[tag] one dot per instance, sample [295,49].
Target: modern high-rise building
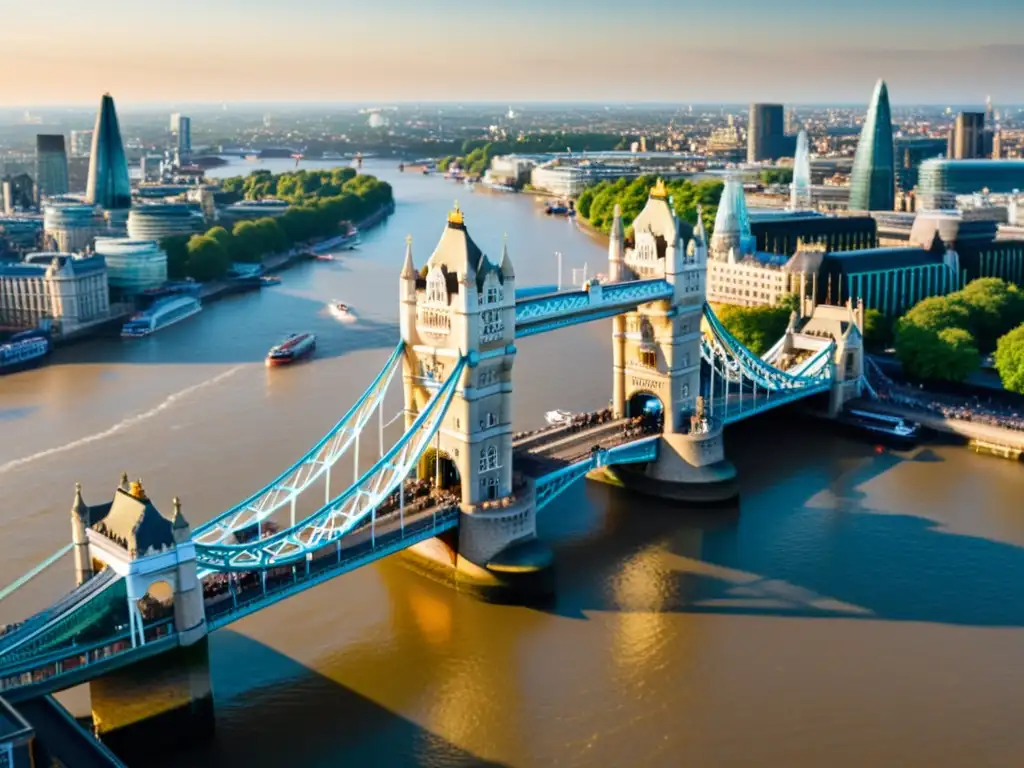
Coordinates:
[51,166]
[109,185]
[184,136]
[175,120]
[800,188]
[81,143]
[911,151]
[873,180]
[942,181]
[969,136]
[766,132]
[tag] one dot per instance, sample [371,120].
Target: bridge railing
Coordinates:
[249,595]
[32,671]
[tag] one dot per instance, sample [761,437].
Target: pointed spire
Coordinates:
[124,482]
[178,522]
[138,491]
[506,262]
[699,233]
[408,268]
[79,508]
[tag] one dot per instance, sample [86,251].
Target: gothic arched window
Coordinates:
[437,289]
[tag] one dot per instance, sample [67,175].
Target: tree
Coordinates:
[176,248]
[249,245]
[777,176]
[945,354]
[994,306]
[1010,360]
[207,259]
[757,328]
[939,312]
[222,236]
[877,330]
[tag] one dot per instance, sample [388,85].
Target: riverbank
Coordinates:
[963,431]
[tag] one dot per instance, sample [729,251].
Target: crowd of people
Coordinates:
[972,409]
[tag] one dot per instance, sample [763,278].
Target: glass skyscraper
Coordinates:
[108,185]
[800,189]
[51,166]
[873,181]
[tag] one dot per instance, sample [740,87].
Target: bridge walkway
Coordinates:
[546,451]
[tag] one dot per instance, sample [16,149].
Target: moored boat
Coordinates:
[24,350]
[297,346]
[162,313]
[892,431]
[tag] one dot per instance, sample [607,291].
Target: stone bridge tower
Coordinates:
[462,304]
[657,353]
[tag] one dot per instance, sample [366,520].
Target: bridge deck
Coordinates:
[547,451]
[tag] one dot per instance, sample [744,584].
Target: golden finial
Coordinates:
[137,490]
[455,217]
[658,190]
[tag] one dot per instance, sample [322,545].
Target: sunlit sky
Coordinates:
[798,51]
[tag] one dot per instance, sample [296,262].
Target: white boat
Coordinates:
[341,311]
[558,417]
[162,313]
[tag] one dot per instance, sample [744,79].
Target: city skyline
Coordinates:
[446,52]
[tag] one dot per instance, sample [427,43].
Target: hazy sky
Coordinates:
[935,51]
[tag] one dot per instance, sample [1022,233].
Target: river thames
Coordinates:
[861,608]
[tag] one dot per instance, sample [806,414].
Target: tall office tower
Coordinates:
[81,143]
[765,132]
[184,134]
[873,180]
[997,144]
[968,136]
[108,186]
[800,189]
[51,166]
[175,121]
[989,113]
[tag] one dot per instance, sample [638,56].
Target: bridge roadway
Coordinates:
[540,453]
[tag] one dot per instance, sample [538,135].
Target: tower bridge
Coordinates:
[457,489]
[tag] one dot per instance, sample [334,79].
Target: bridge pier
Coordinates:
[156,704]
[690,468]
[494,554]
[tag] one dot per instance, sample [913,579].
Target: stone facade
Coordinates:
[69,290]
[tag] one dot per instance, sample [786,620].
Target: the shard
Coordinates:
[108,186]
[800,188]
[873,181]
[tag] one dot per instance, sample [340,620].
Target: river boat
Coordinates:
[344,242]
[329,155]
[24,350]
[341,310]
[297,346]
[560,209]
[892,431]
[558,417]
[268,280]
[161,314]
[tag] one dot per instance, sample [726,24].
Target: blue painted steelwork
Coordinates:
[368,552]
[333,521]
[70,666]
[97,598]
[572,307]
[549,487]
[531,291]
[307,470]
[23,580]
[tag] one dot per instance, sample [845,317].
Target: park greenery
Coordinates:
[757,328]
[1010,360]
[321,202]
[476,154]
[777,176]
[597,203]
[944,337]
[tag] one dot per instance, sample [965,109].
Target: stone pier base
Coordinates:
[494,555]
[690,468]
[157,704]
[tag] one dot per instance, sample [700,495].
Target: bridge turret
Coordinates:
[79,524]
[407,293]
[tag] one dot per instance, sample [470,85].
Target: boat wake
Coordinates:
[122,425]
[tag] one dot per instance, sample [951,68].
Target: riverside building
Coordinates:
[69,290]
[133,266]
[71,227]
[159,220]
